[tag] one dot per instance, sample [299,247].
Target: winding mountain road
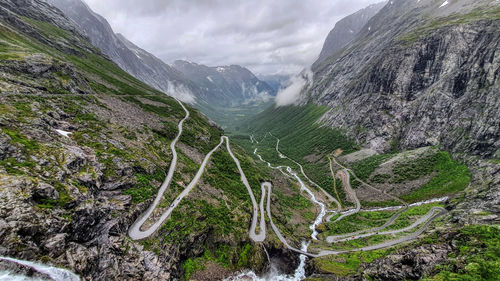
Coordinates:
[135,231]
[344,177]
[375,229]
[328,195]
[262,233]
[426,220]
[349,237]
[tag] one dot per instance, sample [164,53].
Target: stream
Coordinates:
[273,273]
[56,274]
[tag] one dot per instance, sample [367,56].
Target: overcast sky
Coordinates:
[267,36]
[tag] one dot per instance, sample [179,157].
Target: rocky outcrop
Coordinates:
[411,264]
[418,74]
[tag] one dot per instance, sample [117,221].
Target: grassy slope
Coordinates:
[300,136]
[447,175]
[142,147]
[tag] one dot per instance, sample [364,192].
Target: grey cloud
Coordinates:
[279,36]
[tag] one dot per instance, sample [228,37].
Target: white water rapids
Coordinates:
[56,274]
[273,274]
[322,213]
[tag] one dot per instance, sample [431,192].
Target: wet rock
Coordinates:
[16,269]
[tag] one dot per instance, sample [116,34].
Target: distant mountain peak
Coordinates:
[346,30]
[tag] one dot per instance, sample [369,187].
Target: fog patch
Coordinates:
[180,92]
[291,93]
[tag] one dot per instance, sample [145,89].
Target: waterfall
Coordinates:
[267,254]
[8,276]
[319,218]
[300,272]
[56,274]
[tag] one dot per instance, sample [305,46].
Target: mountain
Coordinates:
[277,82]
[413,78]
[129,57]
[230,93]
[409,105]
[111,179]
[236,94]
[346,30]
[228,85]
[84,148]
[233,85]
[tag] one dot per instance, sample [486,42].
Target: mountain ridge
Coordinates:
[367,176]
[188,86]
[396,30]
[345,31]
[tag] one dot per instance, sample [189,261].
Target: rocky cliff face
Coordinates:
[419,73]
[345,31]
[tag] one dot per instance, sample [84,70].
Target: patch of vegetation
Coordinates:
[380,178]
[364,168]
[451,177]
[223,174]
[483,13]
[193,216]
[190,266]
[346,264]
[14,167]
[296,201]
[226,256]
[64,197]
[477,256]
[416,168]
[17,137]
[48,29]
[299,131]
[144,190]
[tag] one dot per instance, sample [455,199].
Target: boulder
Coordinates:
[45,191]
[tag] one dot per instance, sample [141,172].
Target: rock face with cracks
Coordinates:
[418,74]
